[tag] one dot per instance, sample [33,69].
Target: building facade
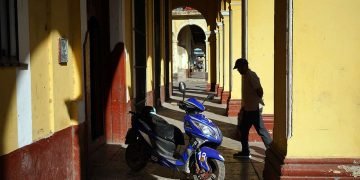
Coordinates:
[70,70]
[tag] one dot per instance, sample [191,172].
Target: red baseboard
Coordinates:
[220,91]
[216,89]
[208,87]
[279,167]
[233,108]
[162,94]
[57,156]
[225,97]
[269,125]
[150,98]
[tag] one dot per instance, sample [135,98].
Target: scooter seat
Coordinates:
[162,128]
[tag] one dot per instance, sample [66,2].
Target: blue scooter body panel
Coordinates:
[204,154]
[196,103]
[191,128]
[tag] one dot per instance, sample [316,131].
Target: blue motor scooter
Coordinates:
[152,138]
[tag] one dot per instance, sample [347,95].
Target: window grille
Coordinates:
[8,33]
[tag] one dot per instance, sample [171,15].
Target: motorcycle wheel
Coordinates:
[137,155]
[217,170]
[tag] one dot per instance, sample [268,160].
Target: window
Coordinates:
[8,33]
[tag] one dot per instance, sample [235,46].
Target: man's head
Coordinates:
[241,65]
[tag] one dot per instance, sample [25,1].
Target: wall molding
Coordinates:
[278,166]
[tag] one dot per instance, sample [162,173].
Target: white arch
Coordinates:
[180,57]
[197,22]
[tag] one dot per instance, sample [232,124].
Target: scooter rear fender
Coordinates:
[131,136]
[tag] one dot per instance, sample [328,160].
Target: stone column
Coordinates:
[207,61]
[221,59]
[234,105]
[226,27]
[316,98]
[217,61]
[175,59]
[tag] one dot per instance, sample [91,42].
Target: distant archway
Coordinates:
[189,42]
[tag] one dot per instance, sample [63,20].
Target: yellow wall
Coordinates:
[162,45]
[65,22]
[326,74]
[128,47]
[221,57]
[236,48]
[261,47]
[227,52]
[42,99]
[8,110]
[217,57]
[56,89]
[150,46]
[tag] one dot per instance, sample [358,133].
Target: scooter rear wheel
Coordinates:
[137,155]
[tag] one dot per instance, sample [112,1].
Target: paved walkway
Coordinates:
[109,162]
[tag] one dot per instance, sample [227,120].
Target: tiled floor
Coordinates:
[108,162]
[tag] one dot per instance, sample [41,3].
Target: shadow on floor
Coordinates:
[109,163]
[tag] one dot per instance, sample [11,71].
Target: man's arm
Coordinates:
[260,92]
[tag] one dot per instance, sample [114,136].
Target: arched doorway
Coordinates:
[189,44]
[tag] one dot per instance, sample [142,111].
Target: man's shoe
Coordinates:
[242,155]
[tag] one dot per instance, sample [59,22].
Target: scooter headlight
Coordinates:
[208,131]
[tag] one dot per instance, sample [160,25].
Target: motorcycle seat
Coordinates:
[162,128]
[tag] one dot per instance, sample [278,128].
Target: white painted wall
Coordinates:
[23,78]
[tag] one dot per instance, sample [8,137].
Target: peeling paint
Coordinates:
[26,162]
[354,170]
[334,171]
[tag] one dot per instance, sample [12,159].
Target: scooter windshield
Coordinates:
[196,103]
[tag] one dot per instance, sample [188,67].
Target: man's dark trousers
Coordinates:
[253,118]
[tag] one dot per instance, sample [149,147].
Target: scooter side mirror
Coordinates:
[182,89]
[210,96]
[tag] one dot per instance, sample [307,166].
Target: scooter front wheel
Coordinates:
[217,171]
[137,155]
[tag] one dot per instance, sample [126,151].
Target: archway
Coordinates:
[189,44]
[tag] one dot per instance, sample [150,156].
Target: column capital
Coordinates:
[208,33]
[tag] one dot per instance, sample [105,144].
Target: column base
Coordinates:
[162,94]
[216,89]
[279,167]
[225,97]
[233,107]
[220,91]
[150,98]
[208,87]
[171,89]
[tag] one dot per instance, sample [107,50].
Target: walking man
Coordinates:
[252,104]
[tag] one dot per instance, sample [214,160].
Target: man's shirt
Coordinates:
[250,99]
